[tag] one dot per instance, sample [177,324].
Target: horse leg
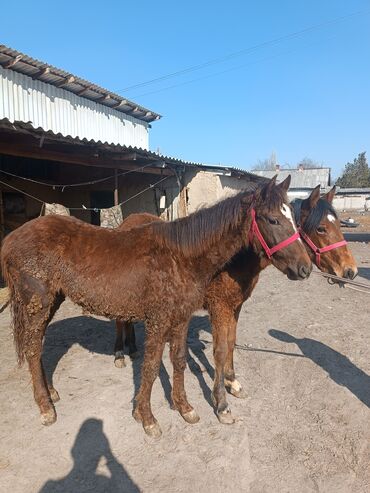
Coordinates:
[178,354]
[54,395]
[130,340]
[119,355]
[220,319]
[232,384]
[150,370]
[44,392]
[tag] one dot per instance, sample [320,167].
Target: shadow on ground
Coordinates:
[90,451]
[98,336]
[339,368]
[364,272]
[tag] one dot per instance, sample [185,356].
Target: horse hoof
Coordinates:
[54,395]
[225,417]
[119,362]
[134,355]
[234,388]
[49,417]
[191,417]
[240,394]
[154,430]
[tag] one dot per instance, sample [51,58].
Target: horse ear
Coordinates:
[266,190]
[330,195]
[314,197]
[284,185]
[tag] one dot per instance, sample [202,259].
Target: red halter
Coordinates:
[318,251]
[269,251]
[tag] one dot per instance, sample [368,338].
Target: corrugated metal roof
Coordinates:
[19,62]
[306,178]
[53,108]
[27,128]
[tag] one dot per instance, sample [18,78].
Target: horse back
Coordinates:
[134,220]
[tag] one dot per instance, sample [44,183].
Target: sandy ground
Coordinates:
[362,218]
[302,356]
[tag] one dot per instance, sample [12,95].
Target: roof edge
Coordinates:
[19,62]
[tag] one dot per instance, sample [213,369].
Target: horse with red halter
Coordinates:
[158,273]
[230,288]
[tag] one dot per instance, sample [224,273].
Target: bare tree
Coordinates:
[266,164]
[308,163]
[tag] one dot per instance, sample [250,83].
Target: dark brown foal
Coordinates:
[230,288]
[125,336]
[158,273]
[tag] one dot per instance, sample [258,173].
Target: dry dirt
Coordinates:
[303,356]
[362,218]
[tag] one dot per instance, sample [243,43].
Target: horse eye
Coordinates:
[321,230]
[272,220]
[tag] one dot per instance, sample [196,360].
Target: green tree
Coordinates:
[356,174]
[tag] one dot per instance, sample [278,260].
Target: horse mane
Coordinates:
[316,214]
[202,229]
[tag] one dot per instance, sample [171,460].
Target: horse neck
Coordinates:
[221,252]
[209,237]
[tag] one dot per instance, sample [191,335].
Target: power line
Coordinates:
[245,50]
[121,203]
[91,182]
[83,208]
[208,76]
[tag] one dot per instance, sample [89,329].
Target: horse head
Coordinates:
[274,234]
[320,229]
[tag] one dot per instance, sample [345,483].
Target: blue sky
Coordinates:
[304,96]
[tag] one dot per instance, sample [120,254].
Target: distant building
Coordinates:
[347,199]
[303,180]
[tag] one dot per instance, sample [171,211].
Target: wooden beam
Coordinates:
[102,99]
[82,91]
[116,193]
[123,157]
[13,61]
[20,149]
[124,102]
[64,82]
[41,72]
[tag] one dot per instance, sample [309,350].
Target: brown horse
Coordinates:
[231,287]
[157,273]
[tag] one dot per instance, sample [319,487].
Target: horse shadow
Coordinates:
[339,368]
[197,360]
[98,336]
[364,272]
[89,449]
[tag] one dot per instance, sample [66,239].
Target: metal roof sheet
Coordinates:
[19,62]
[306,178]
[23,127]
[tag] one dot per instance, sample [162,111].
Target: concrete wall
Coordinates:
[204,188]
[351,202]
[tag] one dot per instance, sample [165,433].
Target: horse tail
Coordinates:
[17,309]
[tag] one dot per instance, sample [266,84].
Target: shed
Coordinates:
[66,140]
[303,180]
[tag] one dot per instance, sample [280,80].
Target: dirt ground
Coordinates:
[303,357]
[362,218]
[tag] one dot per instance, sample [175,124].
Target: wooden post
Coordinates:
[116,195]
